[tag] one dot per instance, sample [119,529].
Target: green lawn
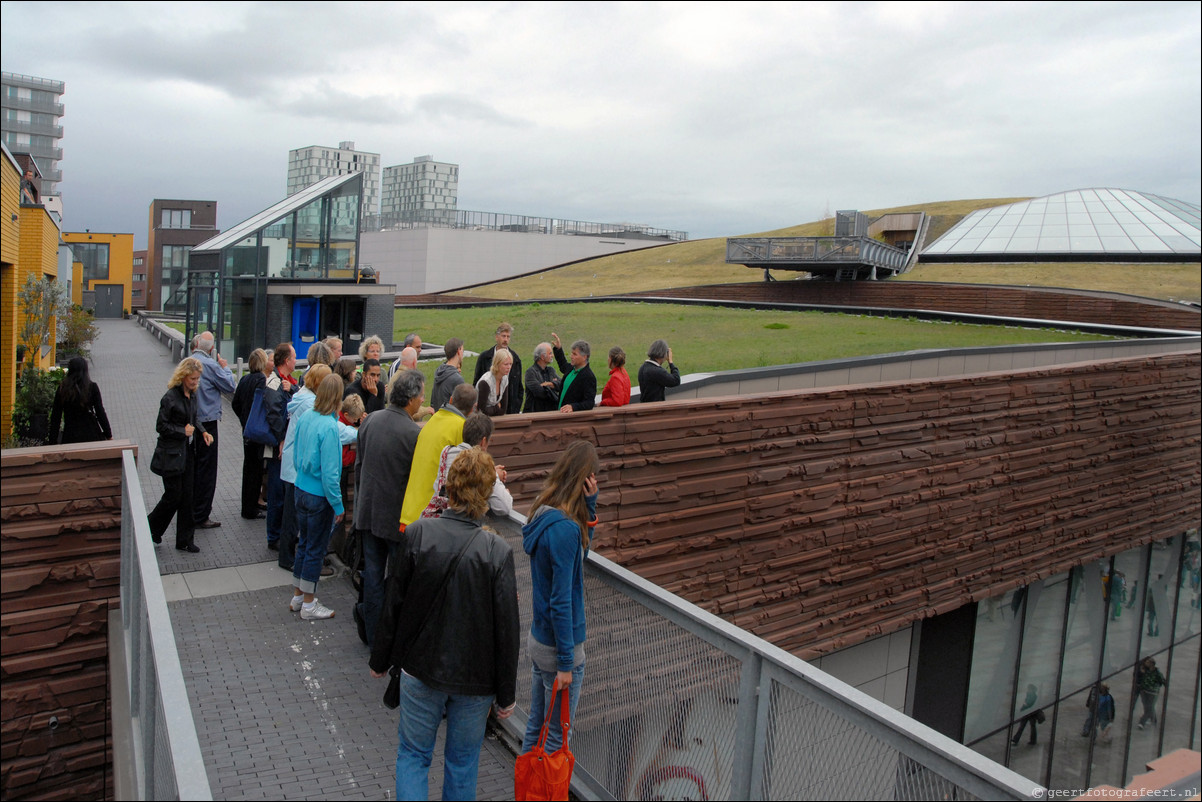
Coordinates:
[703,338]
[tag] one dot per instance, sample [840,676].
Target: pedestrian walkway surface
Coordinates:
[284,708]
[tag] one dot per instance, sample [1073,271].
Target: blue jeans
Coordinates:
[540,693]
[315,521]
[376,553]
[421,712]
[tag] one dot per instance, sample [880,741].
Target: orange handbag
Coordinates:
[539,776]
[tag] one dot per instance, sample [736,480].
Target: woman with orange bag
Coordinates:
[557,537]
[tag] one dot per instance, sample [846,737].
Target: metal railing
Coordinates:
[162,734]
[678,703]
[494,221]
[781,251]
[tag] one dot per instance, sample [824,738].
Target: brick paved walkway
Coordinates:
[284,708]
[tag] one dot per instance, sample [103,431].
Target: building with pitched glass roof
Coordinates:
[290,273]
[1090,225]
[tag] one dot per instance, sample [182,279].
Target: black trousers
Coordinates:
[252,478]
[176,503]
[206,474]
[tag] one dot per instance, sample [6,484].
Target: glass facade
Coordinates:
[1041,653]
[311,236]
[1087,221]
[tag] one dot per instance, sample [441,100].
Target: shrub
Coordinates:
[36,389]
[78,330]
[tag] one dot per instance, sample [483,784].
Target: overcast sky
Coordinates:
[715,118]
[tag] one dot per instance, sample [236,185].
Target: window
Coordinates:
[175,256]
[139,277]
[177,218]
[95,259]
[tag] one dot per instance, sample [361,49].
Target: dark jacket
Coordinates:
[516,395]
[470,643]
[539,398]
[371,403]
[583,392]
[382,463]
[484,393]
[446,378]
[85,424]
[653,379]
[244,395]
[176,411]
[279,392]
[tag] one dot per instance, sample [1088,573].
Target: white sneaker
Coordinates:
[297,602]
[316,611]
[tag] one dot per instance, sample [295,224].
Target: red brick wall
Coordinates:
[822,518]
[60,565]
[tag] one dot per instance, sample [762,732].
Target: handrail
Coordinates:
[167,757]
[851,745]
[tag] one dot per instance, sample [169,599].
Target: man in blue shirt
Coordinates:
[215,379]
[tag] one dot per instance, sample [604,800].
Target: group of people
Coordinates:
[439,601]
[504,389]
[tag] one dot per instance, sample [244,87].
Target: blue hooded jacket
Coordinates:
[557,574]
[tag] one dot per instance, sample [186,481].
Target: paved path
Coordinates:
[284,708]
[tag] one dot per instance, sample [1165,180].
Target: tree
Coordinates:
[41,301]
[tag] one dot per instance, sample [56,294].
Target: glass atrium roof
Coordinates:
[1105,222]
[268,216]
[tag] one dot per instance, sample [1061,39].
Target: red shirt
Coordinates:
[617,389]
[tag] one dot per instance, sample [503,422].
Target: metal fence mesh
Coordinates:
[814,753]
[659,714]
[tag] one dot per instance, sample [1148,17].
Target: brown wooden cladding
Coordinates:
[818,519]
[977,299]
[60,566]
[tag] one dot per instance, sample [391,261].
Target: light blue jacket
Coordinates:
[318,457]
[301,403]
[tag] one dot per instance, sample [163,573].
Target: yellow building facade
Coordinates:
[102,271]
[29,240]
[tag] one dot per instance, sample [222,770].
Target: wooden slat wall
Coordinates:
[60,565]
[822,518]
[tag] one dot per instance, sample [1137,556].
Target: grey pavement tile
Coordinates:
[284,708]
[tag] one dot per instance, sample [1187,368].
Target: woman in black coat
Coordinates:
[175,455]
[77,406]
[252,453]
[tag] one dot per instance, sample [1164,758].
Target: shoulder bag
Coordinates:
[256,429]
[539,776]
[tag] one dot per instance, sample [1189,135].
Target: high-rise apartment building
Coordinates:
[32,109]
[421,186]
[307,166]
[175,226]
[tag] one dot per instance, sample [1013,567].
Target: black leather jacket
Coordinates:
[469,644]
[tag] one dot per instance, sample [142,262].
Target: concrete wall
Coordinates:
[819,519]
[60,561]
[435,259]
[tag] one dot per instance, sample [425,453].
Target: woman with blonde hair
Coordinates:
[175,455]
[557,537]
[317,457]
[371,348]
[450,626]
[493,387]
[253,383]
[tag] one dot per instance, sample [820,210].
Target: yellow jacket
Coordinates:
[444,429]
